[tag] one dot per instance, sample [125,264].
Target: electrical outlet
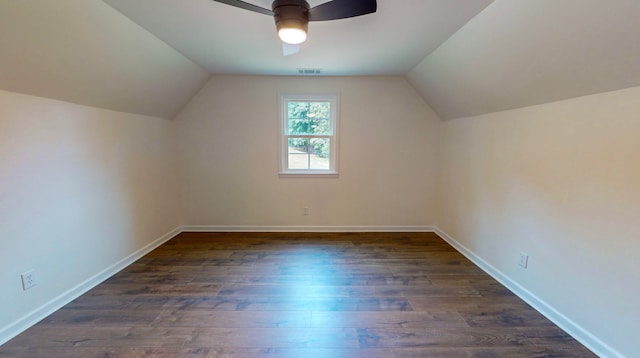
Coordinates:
[305,211]
[524,260]
[28,279]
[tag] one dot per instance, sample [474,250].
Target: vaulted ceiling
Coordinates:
[527,52]
[465,57]
[85,52]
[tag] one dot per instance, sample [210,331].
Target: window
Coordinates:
[308,136]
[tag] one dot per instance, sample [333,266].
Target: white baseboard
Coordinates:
[248,228]
[576,331]
[20,325]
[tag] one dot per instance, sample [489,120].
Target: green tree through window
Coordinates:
[309,118]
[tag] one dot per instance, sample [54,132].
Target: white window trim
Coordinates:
[283,136]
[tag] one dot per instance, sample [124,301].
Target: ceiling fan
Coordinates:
[292,16]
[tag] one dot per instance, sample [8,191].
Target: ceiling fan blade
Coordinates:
[246,6]
[289,49]
[342,9]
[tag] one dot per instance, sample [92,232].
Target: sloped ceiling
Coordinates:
[465,57]
[528,52]
[83,51]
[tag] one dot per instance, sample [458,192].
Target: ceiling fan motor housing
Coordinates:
[291,14]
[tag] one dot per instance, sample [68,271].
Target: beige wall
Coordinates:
[561,182]
[228,137]
[80,189]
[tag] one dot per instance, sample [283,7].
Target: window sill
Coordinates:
[308,175]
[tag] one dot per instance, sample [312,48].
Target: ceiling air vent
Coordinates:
[309,71]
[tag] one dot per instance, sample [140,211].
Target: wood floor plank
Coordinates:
[233,319]
[115,302]
[160,289]
[389,319]
[260,303]
[467,303]
[275,295]
[481,352]
[550,336]
[103,316]
[275,338]
[103,336]
[299,353]
[440,337]
[303,290]
[119,352]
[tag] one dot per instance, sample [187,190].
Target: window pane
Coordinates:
[297,109]
[298,145]
[322,126]
[308,118]
[298,118]
[319,153]
[306,153]
[319,110]
[299,126]
[298,153]
[298,161]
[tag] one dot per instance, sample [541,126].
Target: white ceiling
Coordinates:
[465,57]
[225,39]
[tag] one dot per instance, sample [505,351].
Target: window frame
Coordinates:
[283,136]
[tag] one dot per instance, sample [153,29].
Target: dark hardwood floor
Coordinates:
[298,295]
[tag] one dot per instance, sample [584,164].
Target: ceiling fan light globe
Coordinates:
[292,35]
